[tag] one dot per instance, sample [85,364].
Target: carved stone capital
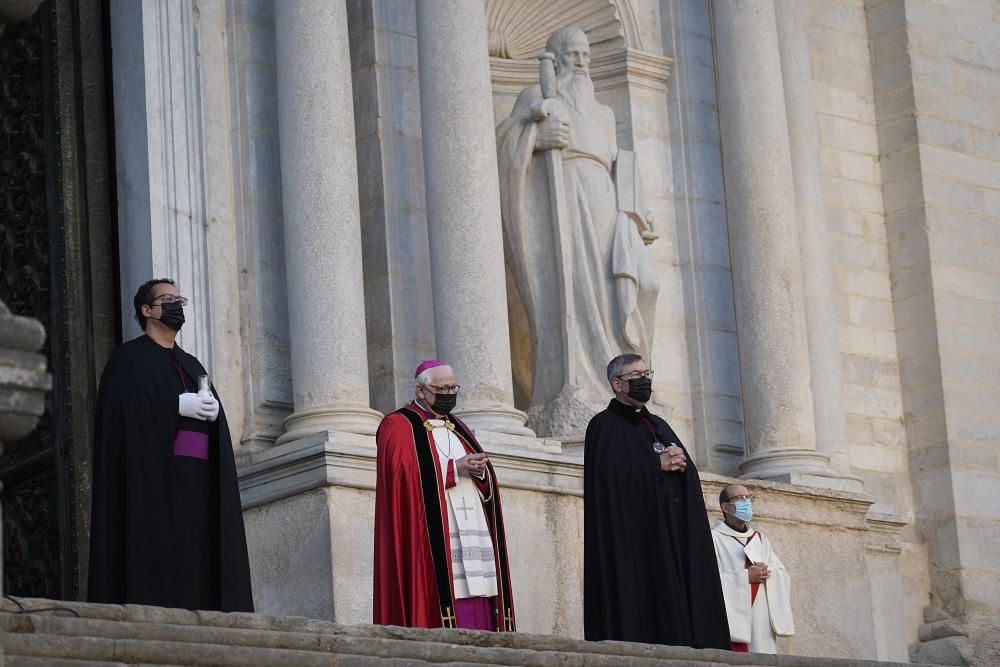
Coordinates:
[15,11]
[23,380]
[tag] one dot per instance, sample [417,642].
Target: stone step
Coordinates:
[31,661]
[89,634]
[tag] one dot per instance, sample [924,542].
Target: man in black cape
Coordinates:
[166,521]
[649,569]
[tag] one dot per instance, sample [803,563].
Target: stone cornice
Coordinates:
[779,502]
[638,68]
[322,459]
[344,459]
[348,460]
[884,532]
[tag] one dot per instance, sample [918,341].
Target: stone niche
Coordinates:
[633,82]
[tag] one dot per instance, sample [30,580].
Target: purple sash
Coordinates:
[191,444]
[476,613]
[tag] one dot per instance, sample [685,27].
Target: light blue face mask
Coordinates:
[744,510]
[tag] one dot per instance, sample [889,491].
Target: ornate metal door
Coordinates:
[57,259]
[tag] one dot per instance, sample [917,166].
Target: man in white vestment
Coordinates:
[755,584]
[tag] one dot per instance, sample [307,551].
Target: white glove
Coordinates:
[205,408]
[209,409]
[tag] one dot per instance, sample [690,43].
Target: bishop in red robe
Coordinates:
[440,549]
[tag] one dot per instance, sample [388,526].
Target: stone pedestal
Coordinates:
[312,508]
[463,212]
[319,181]
[764,239]
[309,508]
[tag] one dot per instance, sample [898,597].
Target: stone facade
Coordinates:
[824,177]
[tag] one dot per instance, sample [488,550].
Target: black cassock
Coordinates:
[649,569]
[166,530]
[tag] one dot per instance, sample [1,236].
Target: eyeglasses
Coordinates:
[735,499]
[447,389]
[169,298]
[635,375]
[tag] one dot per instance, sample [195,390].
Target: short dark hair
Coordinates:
[144,296]
[616,365]
[723,496]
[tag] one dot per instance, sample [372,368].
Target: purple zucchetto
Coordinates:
[429,363]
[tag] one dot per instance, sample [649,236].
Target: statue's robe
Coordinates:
[757,612]
[613,281]
[649,569]
[166,527]
[413,579]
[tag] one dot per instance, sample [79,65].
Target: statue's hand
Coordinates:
[553,132]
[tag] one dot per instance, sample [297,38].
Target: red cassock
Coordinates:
[413,577]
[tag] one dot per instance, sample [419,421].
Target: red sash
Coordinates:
[743,647]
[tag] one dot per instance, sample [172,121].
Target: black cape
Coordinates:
[649,569]
[165,530]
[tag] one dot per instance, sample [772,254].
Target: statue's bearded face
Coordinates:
[573,72]
[574,57]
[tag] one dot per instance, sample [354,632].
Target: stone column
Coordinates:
[463,211]
[814,243]
[319,184]
[763,233]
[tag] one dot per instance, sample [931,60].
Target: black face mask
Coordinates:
[640,389]
[444,403]
[172,315]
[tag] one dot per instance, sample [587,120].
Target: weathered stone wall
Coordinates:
[847,84]
[955,60]
[849,152]
[936,90]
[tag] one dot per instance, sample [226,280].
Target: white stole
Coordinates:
[473,563]
[771,613]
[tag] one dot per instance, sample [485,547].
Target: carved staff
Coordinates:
[561,224]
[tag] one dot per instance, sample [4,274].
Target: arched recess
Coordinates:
[518,28]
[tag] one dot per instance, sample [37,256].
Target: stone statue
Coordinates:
[574,237]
